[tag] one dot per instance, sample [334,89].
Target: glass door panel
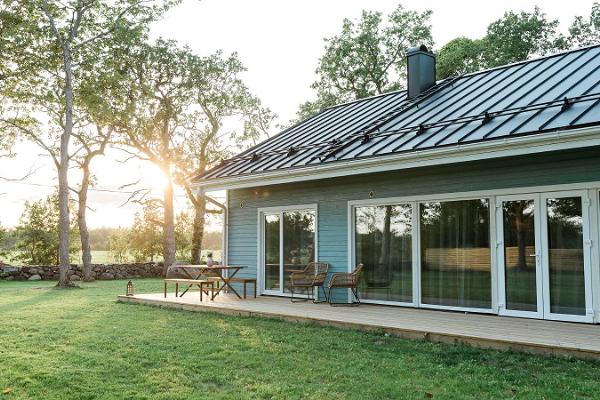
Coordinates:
[520,255]
[455,253]
[543,257]
[289,244]
[298,242]
[566,255]
[272,251]
[383,243]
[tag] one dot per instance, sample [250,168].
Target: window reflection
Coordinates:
[565,244]
[519,255]
[384,245]
[272,252]
[298,241]
[455,253]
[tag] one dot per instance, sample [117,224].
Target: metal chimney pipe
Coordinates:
[420,70]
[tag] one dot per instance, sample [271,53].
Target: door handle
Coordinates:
[533,255]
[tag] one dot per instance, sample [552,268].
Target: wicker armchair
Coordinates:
[311,277]
[346,280]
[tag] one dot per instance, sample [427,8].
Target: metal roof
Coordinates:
[552,93]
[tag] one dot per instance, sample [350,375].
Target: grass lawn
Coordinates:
[81,344]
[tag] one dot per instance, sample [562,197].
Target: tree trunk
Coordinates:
[198,228]
[84,235]
[63,168]
[168,226]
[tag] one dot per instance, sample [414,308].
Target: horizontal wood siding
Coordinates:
[332,195]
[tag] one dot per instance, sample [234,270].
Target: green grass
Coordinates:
[81,344]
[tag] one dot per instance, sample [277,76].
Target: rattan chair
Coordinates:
[311,277]
[345,280]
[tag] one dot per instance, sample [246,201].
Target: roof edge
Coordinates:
[522,145]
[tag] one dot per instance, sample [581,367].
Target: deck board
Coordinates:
[479,330]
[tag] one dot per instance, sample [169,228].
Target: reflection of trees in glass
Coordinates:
[518,216]
[383,245]
[454,224]
[565,213]
[272,239]
[298,237]
[565,242]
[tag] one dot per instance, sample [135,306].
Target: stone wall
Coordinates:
[100,271]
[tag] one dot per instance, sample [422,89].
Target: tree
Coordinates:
[55,44]
[586,32]
[37,233]
[460,56]
[119,244]
[183,235]
[512,38]
[367,57]
[156,77]
[146,232]
[519,36]
[220,96]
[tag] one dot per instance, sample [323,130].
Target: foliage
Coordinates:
[244,358]
[37,233]
[584,32]
[512,38]
[146,233]
[183,235]
[49,50]
[119,245]
[367,57]
[178,105]
[460,56]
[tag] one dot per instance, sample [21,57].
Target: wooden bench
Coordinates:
[205,285]
[245,281]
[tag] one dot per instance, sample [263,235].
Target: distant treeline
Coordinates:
[100,239]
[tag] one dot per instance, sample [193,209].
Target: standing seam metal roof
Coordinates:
[557,92]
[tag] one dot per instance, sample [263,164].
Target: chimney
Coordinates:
[420,70]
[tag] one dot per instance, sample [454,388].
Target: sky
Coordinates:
[280,43]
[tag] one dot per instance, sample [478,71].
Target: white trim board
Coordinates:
[498,148]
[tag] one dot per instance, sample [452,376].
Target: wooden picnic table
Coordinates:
[196,272]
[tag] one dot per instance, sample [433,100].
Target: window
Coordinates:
[455,253]
[289,244]
[565,255]
[383,242]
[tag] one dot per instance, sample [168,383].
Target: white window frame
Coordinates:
[539,269]
[593,236]
[415,202]
[352,205]
[587,256]
[261,241]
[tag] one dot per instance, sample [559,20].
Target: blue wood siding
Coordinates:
[332,196]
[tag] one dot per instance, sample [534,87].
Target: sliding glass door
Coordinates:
[383,243]
[455,253]
[544,256]
[288,238]
[519,256]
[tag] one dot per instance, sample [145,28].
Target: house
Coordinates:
[478,193]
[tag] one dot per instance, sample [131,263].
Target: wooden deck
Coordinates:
[487,331]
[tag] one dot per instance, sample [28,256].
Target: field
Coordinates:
[104,257]
[81,344]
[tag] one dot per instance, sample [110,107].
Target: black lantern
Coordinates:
[129,289]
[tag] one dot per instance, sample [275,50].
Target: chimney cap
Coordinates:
[422,48]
